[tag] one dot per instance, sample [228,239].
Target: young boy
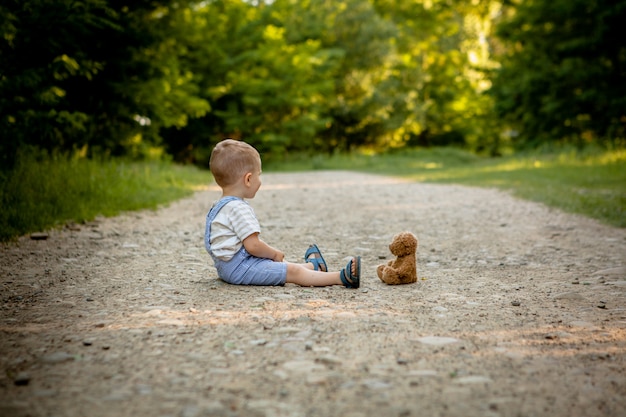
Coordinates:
[232,230]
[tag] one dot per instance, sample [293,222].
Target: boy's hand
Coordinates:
[279,257]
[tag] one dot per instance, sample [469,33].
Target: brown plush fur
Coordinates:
[403,269]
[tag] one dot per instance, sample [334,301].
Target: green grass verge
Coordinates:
[43,192]
[592,183]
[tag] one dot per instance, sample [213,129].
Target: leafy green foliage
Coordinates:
[327,76]
[120,78]
[94,73]
[563,71]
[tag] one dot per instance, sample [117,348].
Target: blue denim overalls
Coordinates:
[243,268]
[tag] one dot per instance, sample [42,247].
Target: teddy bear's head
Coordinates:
[403,244]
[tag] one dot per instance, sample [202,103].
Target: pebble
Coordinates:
[557,335]
[476,379]
[22,379]
[437,340]
[284,297]
[302,366]
[329,360]
[173,322]
[39,236]
[573,296]
[263,299]
[581,323]
[57,357]
[376,384]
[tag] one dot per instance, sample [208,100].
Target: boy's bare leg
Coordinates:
[304,275]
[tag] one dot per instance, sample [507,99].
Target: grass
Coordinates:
[43,192]
[591,183]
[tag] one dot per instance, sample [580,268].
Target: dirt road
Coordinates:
[519,310]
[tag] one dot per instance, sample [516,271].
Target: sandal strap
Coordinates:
[349,280]
[317,261]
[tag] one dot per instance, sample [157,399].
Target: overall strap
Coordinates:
[211,216]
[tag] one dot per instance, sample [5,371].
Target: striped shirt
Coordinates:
[234,222]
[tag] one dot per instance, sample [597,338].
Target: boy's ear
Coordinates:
[246,178]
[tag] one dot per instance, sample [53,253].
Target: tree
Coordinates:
[98,74]
[440,75]
[563,72]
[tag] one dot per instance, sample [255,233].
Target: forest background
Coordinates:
[173,77]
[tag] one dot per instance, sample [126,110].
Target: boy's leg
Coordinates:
[305,276]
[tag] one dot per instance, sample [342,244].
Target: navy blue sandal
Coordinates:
[351,280]
[319,264]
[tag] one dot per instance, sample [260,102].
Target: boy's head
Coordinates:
[231,160]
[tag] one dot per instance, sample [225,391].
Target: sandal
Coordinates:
[349,280]
[319,264]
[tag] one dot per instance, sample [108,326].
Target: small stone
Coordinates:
[87,343]
[573,296]
[57,357]
[22,379]
[302,366]
[284,297]
[474,379]
[557,335]
[376,384]
[329,360]
[436,340]
[515,303]
[39,236]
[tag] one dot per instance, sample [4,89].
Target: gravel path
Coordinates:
[519,310]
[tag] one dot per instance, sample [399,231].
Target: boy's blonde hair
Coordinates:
[232,159]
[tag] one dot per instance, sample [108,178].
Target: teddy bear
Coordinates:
[403,269]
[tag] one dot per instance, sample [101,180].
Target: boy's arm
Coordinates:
[256,247]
